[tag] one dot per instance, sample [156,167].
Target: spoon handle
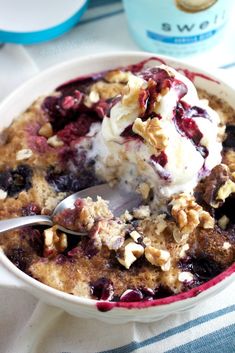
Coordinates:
[18,222]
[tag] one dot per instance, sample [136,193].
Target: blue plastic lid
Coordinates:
[31,21]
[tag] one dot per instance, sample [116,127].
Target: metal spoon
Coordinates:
[119,201]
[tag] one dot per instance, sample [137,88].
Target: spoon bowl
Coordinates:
[119,200]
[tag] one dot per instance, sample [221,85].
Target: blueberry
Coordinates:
[229,142]
[16,180]
[19,258]
[132,295]
[148,293]
[36,241]
[162,292]
[102,289]
[30,210]
[89,248]
[71,182]
[203,267]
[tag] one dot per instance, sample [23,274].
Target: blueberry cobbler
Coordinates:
[146,128]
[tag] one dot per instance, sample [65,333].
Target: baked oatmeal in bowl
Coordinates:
[151,125]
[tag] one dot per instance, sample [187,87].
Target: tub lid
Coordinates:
[31,21]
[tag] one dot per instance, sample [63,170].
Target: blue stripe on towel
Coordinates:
[133,346]
[220,341]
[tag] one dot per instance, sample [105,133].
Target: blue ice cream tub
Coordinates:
[177,27]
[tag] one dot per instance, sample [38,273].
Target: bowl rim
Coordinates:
[181,297]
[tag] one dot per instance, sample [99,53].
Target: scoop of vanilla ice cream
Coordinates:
[168,142]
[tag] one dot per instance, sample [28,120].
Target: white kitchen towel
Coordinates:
[28,326]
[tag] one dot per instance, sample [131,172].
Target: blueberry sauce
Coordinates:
[160,76]
[161,159]
[75,130]
[192,75]
[82,82]
[64,109]
[68,107]
[158,163]
[129,134]
[135,68]
[158,79]
[180,88]
[13,181]
[186,126]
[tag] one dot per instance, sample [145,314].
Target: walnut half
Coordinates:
[188,214]
[55,242]
[151,130]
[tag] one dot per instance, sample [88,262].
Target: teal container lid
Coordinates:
[29,21]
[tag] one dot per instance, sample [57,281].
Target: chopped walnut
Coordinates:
[188,214]
[3,194]
[25,153]
[183,250]
[158,257]
[126,216]
[129,253]
[178,236]
[211,184]
[54,141]
[141,212]
[104,90]
[185,276]
[226,245]
[223,222]
[55,242]
[225,190]
[46,130]
[117,76]
[151,130]
[135,236]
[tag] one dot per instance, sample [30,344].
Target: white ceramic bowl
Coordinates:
[11,276]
